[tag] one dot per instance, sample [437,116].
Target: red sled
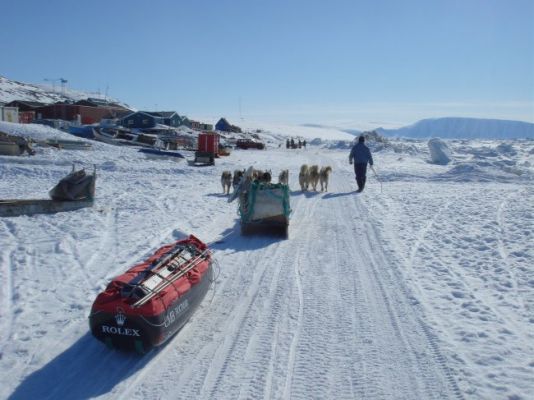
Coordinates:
[149,303]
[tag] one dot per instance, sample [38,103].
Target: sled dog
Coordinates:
[324,175]
[266,176]
[283,178]
[238,174]
[303,177]
[313,176]
[226,181]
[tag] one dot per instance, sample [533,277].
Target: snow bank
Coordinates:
[35,131]
[439,152]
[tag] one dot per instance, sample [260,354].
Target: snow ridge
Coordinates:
[466,128]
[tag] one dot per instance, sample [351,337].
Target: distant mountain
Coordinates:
[13,90]
[463,128]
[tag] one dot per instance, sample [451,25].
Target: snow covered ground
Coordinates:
[421,287]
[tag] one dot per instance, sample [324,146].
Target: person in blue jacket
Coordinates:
[361,155]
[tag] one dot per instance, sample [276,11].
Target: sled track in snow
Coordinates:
[403,315]
[502,248]
[294,342]
[430,336]
[263,337]
[7,291]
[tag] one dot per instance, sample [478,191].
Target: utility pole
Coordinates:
[62,81]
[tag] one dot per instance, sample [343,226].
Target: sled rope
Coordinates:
[377,178]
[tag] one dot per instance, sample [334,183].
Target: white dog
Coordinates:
[226,181]
[303,177]
[313,174]
[283,178]
[323,177]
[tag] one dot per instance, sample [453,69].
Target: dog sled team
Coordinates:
[310,177]
[227,180]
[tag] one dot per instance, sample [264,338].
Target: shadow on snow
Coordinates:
[218,195]
[333,195]
[232,239]
[85,370]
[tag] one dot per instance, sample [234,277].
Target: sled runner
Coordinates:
[202,159]
[74,191]
[152,301]
[159,153]
[11,145]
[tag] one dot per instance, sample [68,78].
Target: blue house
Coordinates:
[170,118]
[141,119]
[149,119]
[225,126]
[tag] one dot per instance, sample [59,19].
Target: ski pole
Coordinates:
[377,178]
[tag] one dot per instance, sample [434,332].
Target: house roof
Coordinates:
[93,102]
[163,114]
[100,102]
[148,114]
[167,114]
[30,104]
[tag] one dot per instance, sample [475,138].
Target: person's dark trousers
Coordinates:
[360,169]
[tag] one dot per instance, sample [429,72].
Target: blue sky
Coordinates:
[343,63]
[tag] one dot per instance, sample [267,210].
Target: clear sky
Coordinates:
[344,63]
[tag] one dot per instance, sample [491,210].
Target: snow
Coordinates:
[470,128]
[421,287]
[439,151]
[13,90]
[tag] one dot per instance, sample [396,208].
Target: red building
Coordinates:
[26,117]
[74,112]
